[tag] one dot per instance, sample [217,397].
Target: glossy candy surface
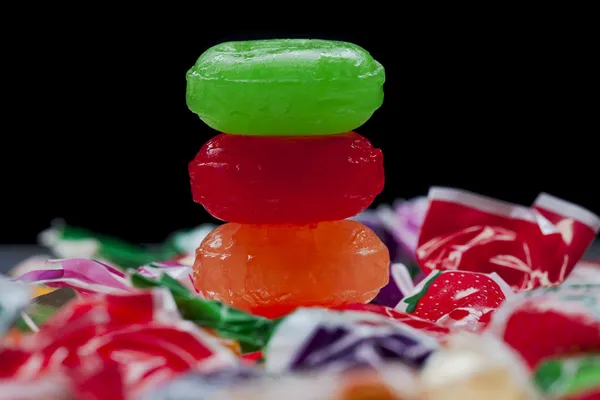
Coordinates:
[271,271]
[286,180]
[285,87]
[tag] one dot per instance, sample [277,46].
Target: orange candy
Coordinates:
[271,270]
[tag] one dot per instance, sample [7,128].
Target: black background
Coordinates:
[96,129]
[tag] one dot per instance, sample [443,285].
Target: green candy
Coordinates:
[285,87]
[568,376]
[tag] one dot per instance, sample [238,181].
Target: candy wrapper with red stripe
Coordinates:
[316,338]
[549,322]
[527,246]
[116,346]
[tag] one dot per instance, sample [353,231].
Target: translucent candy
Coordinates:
[285,87]
[291,180]
[272,270]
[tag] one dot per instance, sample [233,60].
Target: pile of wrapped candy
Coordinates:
[490,300]
[305,293]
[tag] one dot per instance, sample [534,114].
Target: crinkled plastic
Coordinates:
[398,227]
[316,338]
[568,376]
[476,367]
[457,299]
[84,275]
[550,322]
[585,272]
[14,298]
[48,387]
[400,284]
[393,381]
[181,273]
[527,246]
[107,342]
[249,330]
[424,325]
[194,385]
[67,241]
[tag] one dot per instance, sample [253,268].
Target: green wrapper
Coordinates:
[252,332]
[67,241]
[561,377]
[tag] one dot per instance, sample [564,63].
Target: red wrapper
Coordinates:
[527,247]
[550,322]
[115,346]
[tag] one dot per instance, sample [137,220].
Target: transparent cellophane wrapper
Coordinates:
[470,368]
[390,382]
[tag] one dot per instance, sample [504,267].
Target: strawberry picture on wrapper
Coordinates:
[457,299]
[527,247]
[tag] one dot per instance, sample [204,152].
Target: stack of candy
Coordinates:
[286,173]
[285,301]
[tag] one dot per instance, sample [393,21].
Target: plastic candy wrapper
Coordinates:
[42,307]
[175,269]
[476,367]
[107,342]
[194,385]
[392,381]
[49,387]
[14,298]
[431,328]
[398,227]
[549,322]
[457,299]
[527,246]
[90,276]
[66,241]
[249,330]
[316,338]
[569,376]
[585,272]
[83,275]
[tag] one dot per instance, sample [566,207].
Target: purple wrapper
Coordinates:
[398,228]
[400,285]
[315,338]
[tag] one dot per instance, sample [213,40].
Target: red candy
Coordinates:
[286,180]
[527,246]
